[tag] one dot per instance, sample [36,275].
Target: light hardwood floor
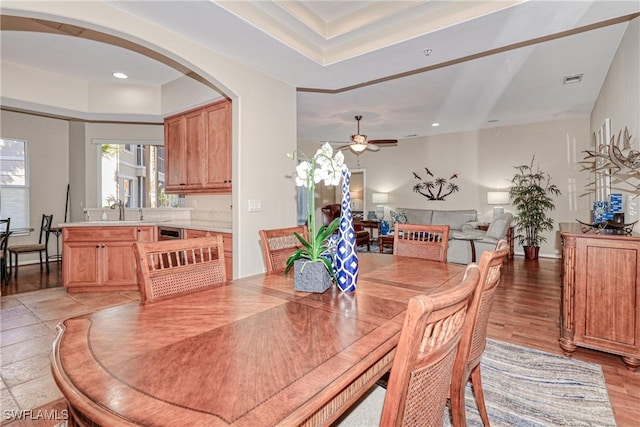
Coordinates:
[526,312]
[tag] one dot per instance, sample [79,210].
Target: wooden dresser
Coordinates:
[600,293]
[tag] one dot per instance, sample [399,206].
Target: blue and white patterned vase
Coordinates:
[346,253]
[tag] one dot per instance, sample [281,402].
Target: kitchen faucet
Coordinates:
[120,206]
[140,211]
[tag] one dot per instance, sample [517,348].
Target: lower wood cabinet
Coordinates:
[101,258]
[601,294]
[227,242]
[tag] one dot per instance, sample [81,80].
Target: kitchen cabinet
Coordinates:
[227,242]
[600,293]
[198,150]
[101,258]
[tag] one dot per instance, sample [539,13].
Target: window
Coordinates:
[14,182]
[134,174]
[140,155]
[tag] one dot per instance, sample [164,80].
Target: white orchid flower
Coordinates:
[303,171]
[326,150]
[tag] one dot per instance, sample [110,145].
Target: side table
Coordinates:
[385,241]
[371,225]
[510,237]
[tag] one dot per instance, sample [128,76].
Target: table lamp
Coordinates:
[380,199]
[497,198]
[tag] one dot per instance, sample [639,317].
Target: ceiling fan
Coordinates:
[360,143]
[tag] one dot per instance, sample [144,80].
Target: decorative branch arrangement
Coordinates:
[435,188]
[616,160]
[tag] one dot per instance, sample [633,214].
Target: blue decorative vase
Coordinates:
[384,228]
[346,253]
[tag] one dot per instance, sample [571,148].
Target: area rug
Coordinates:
[524,387]
[527,387]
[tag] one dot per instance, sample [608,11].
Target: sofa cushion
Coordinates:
[416,216]
[454,219]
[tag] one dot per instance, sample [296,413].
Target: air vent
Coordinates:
[573,78]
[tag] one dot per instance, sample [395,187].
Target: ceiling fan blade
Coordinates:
[372,147]
[383,141]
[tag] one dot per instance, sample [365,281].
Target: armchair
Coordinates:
[486,240]
[330,212]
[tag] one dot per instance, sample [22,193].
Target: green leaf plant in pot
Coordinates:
[327,167]
[531,194]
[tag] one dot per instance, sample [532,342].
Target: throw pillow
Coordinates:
[398,217]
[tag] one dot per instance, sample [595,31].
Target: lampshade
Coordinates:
[380,198]
[357,147]
[497,197]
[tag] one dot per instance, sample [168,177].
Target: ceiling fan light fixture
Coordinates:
[359,139]
[358,147]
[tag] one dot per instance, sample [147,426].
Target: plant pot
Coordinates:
[531,252]
[310,276]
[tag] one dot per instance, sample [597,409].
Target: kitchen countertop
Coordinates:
[215,226]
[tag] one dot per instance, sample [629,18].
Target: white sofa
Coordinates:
[459,251]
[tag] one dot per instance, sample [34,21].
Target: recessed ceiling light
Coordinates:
[572,78]
[120,75]
[435,124]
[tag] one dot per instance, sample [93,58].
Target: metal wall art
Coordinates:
[435,188]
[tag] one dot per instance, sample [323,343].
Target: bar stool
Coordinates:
[57,231]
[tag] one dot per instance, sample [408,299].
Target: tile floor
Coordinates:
[28,326]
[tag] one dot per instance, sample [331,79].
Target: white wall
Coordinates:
[619,100]
[48,152]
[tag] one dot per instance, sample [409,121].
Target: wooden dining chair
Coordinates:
[171,268]
[422,367]
[41,247]
[421,241]
[279,244]
[474,336]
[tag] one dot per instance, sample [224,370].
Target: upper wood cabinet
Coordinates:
[198,150]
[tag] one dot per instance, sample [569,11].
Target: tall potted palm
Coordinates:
[531,193]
